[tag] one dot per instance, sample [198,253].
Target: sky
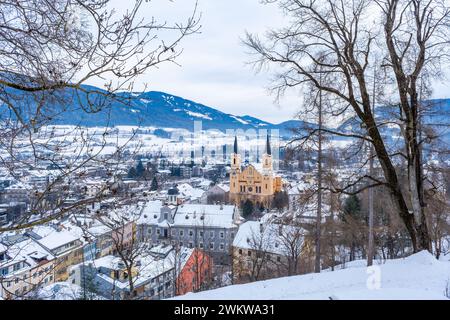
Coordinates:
[214,67]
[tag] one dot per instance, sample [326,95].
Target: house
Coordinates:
[24,266]
[11,211]
[64,245]
[16,192]
[152,276]
[218,193]
[268,249]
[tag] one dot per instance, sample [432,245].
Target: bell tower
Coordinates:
[267,156]
[235,169]
[235,157]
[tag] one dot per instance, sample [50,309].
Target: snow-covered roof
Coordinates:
[221,216]
[205,215]
[268,237]
[189,192]
[149,267]
[224,187]
[28,251]
[19,186]
[63,291]
[57,239]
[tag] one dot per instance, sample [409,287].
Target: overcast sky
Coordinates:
[214,69]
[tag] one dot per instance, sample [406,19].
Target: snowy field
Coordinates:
[419,276]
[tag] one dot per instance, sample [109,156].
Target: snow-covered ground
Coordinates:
[419,276]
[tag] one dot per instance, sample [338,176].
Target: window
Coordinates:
[222,246]
[278,259]
[191,233]
[249,253]
[222,234]
[240,251]
[200,233]
[158,231]
[211,246]
[181,243]
[173,232]
[181,233]
[201,245]
[211,233]
[150,231]
[191,245]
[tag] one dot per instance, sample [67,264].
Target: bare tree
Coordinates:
[49,52]
[338,41]
[292,240]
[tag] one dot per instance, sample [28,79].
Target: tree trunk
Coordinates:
[319,193]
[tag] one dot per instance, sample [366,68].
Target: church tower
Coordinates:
[235,157]
[235,168]
[267,156]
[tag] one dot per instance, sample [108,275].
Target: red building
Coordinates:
[195,274]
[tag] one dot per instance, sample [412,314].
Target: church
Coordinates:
[256,182]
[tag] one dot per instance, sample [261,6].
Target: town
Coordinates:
[149,153]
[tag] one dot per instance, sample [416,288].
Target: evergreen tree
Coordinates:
[352,208]
[280,200]
[154,185]
[140,169]
[132,173]
[247,208]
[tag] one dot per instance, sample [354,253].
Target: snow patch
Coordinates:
[198,115]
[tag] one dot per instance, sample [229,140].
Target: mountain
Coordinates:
[150,109]
[435,120]
[163,110]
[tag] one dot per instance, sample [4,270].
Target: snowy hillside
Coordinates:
[419,276]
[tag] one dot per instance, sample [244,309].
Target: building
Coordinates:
[195,271]
[210,228]
[24,266]
[153,275]
[266,249]
[11,211]
[256,182]
[65,246]
[218,193]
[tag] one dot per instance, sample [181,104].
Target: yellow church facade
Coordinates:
[256,182]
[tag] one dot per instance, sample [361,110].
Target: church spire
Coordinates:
[268,150]
[235,147]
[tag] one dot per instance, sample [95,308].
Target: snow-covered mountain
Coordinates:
[149,109]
